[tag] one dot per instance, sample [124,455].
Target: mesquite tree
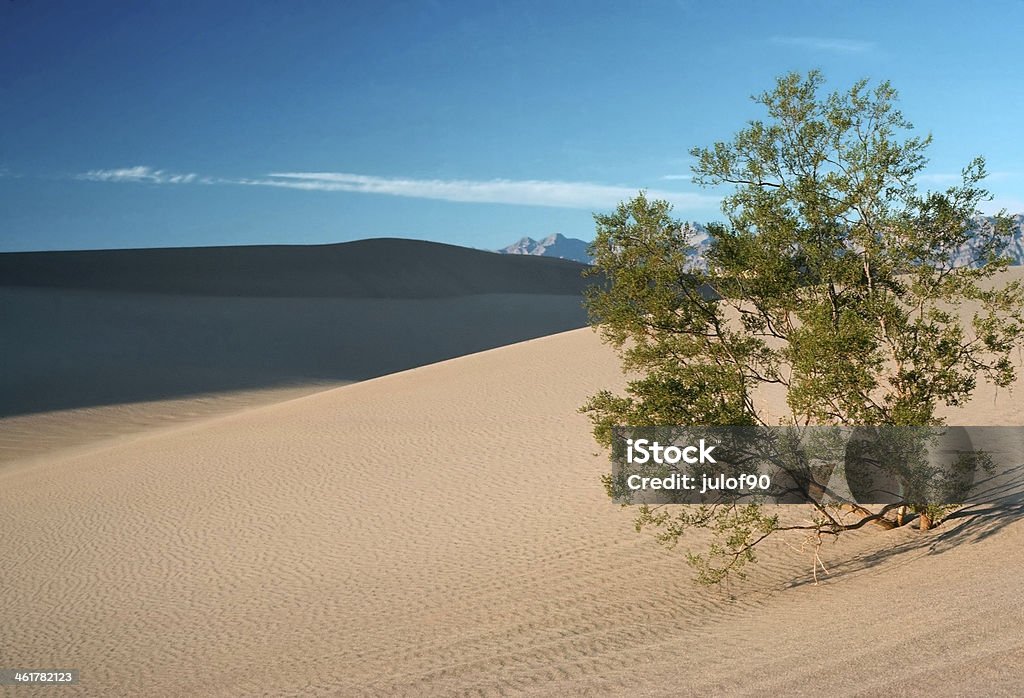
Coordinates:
[834,280]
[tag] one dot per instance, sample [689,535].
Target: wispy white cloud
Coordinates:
[139,173]
[530,192]
[496,191]
[677,177]
[822,43]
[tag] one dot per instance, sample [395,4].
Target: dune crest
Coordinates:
[373,268]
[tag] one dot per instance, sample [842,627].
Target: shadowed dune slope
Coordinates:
[375,268]
[84,329]
[66,349]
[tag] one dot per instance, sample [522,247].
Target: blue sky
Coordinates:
[207,123]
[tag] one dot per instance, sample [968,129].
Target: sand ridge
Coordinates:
[103,344]
[106,364]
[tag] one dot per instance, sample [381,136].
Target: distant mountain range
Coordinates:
[1015,250]
[574,249]
[556,245]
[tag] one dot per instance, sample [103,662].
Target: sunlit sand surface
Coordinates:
[443,530]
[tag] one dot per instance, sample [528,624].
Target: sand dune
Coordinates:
[82,348]
[443,530]
[104,344]
[375,268]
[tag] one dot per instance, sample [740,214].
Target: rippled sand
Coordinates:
[444,530]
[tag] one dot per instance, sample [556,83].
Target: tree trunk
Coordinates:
[887,524]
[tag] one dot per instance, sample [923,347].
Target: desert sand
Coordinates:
[443,530]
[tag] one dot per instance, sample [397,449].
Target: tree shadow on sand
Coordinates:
[998,503]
